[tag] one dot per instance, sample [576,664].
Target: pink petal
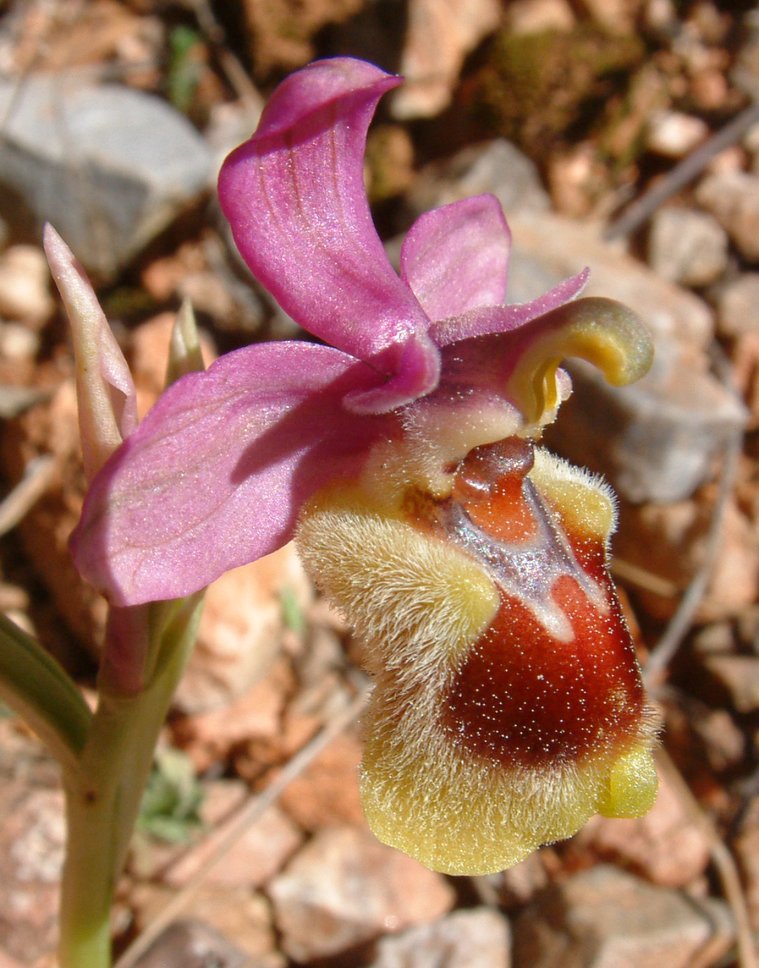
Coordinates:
[504,319]
[455,258]
[216,473]
[415,366]
[294,195]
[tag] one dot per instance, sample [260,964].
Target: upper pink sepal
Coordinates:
[294,196]
[215,474]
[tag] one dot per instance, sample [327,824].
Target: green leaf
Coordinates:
[42,693]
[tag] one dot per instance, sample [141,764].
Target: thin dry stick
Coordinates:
[37,478]
[721,857]
[235,72]
[248,815]
[681,621]
[684,172]
[642,578]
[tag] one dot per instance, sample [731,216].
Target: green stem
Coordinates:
[103,793]
[38,690]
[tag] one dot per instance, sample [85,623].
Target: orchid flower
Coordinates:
[508,706]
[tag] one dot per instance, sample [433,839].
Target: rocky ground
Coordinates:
[620,134]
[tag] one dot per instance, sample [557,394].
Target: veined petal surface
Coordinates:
[294,196]
[215,474]
[455,258]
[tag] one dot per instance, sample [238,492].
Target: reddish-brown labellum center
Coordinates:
[554,677]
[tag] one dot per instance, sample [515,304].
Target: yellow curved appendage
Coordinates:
[601,331]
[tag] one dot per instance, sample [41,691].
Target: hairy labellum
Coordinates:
[508,705]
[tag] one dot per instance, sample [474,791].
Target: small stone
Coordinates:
[687,247]
[673,134]
[746,846]
[498,167]
[738,677]
[31,857]
[536,16]
[738,306]
[663,846]
[519,884]
[670,541]
[344,888]
[326,794]
[24,285]
[18,343]
[618,16]
[109,166]
[724,742]
[241,630]
[439,35]
[240,917]
[733,198]
[259,854]
[474,938]
[192,944]
[7,962]
[255,717]
[605,918]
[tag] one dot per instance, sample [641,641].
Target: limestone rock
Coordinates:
[495,166]
[605,918]
[687,247]
[192,944]
[344,888]
[472,938]
[109,166]
[673,134]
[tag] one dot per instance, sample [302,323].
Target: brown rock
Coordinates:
[663,846]
[475,938]
[192,944]
[281,33]
[254,717]
[260,853]
[326,794]
[738,676]
[241,629]
[7,962]
[605,918]
[439,35]
[344,888]
[669,542]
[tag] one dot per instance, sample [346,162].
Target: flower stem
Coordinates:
[103,793]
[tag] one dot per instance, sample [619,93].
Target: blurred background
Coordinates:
[618,134]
